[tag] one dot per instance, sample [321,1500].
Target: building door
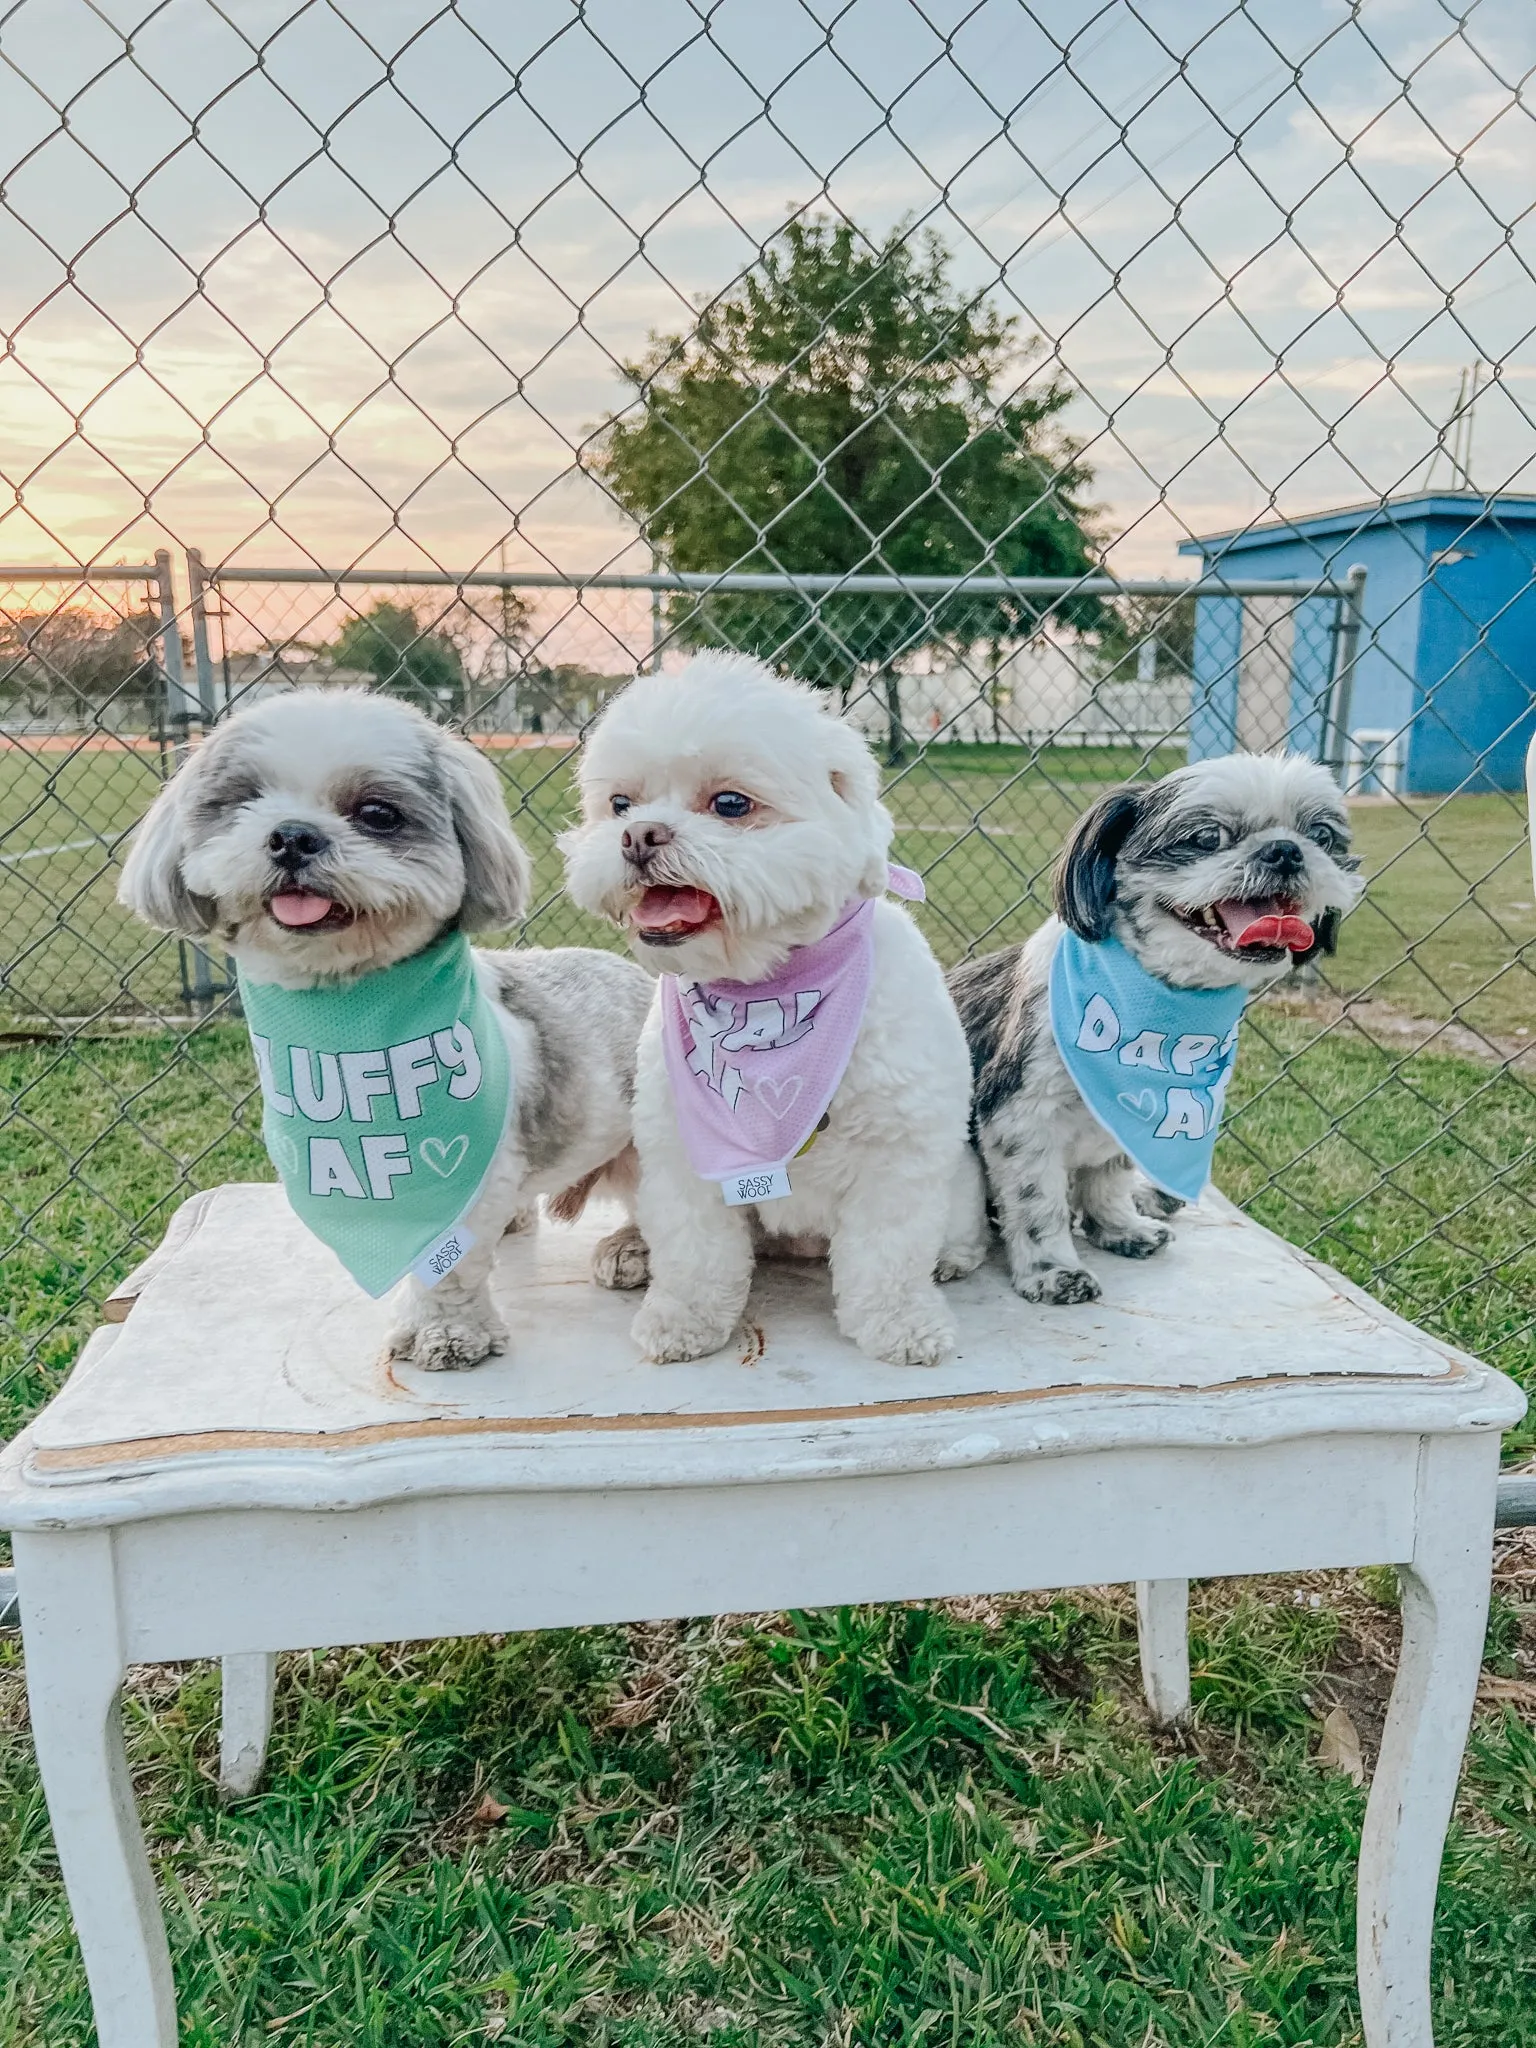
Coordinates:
[1264,674]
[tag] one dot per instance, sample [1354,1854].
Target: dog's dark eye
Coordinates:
[620,804]
[374,815]
[1210,839]
[1324,836]
[730,803]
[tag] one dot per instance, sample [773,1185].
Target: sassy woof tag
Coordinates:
[762,1184]
[439,1260]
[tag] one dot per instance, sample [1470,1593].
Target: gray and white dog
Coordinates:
[1178,871]
[328,833]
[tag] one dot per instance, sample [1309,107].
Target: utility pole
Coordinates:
[1454,440]
[508,694]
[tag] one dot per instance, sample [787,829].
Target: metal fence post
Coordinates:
[197,585]
[204,987]
[182,707]
[1351,617]
[183,710]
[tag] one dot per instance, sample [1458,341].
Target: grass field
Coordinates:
[865,1829]
[74,952]
[1448,926]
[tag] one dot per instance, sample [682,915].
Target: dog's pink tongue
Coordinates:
[297,908]
[1264,921]
[673,910]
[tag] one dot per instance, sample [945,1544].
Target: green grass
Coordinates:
[981,822]
[1414,1176]
[866,1829]
[875,1826]
[1447,929]
[1448,924]
[99,1143]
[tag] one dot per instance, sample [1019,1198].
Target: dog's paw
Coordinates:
[450,1346]
[956,1260]
[622,1259]
[904,1332]
[1060,1285]
[1153,1201]
[667,1331]
[1127,1244]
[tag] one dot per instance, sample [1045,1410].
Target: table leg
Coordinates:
[1445,1612]
[75,1663]
[245,1722]
[1162,1630]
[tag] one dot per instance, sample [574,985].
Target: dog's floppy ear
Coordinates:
[1085,874]
[1325,940]
[152,885]
[497,875]
[855,782]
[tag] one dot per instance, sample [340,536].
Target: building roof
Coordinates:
[1518,507]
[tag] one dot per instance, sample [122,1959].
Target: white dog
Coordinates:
[329,833]
[1221,876]
[730,824]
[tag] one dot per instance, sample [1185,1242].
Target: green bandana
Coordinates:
[386,1099]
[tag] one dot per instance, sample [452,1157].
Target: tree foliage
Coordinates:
[75,664]
[1130,621]
[404,656]
[846,407]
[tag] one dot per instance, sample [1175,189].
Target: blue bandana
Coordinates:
[1151,1062]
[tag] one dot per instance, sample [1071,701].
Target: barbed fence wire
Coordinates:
[304,312]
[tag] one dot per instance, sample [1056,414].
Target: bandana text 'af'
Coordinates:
[754,1066]
[386,1101]
[1151,1062]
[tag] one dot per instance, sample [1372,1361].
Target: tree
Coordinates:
[389,643]
[1130,623]
[490,634]
[846,407]
[74,666]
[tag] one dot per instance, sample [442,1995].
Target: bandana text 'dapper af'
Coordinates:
[754,1066]
[1151,1062]
[386,1100]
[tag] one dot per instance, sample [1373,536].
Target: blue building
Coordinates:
[1444,688]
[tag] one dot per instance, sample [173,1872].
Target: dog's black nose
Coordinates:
[1281,857]
[642,843]
[293,843]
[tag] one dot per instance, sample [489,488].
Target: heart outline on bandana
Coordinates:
[284,1152]
[1143,1105]
[444,1155]
[778,1097]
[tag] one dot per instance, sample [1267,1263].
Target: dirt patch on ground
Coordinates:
[1395,1030]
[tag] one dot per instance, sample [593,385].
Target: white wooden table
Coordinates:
[231,1472]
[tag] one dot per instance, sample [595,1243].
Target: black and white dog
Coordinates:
[1223,874]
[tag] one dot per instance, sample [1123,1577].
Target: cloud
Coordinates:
[364,278]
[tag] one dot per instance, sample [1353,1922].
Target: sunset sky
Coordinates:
[433,233]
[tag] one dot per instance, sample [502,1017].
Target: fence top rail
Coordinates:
[811,586]
[75,572]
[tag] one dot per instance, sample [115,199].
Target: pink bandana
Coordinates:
[755,1066]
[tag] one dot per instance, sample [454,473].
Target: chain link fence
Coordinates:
[910,351]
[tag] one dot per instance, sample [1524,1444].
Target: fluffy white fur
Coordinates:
[890,1183]
[279,799]
[1138,864]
